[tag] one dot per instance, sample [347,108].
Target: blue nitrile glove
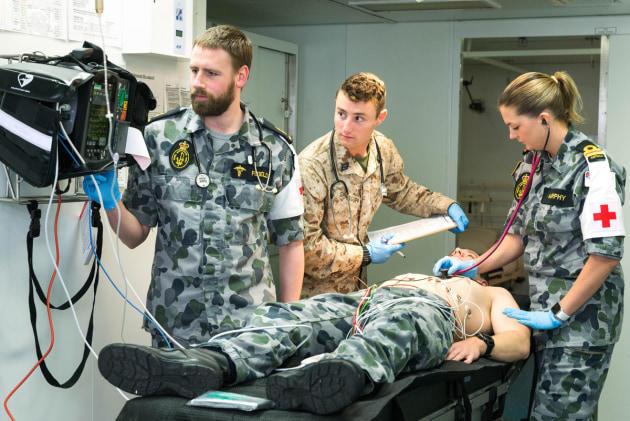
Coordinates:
[453,265]
[105,181]
[380,251]
[544,320]
[457,214]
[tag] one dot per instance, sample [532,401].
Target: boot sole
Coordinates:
[321,388]
[144,371]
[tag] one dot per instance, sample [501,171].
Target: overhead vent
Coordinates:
[405,5]
[584,3]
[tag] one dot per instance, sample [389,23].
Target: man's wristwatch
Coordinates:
[489,343]
[558,313]
[366,257]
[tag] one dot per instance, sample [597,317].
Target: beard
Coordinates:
[213,106]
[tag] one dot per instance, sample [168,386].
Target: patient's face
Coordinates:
[463,254]
[468,254]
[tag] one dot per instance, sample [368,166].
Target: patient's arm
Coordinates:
[511,339]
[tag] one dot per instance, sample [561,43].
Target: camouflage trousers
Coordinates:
[404,330]
[570,380]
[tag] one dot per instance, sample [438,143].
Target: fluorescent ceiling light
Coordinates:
[404,5]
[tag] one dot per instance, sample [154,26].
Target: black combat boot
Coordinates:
[143,370]
[322,387]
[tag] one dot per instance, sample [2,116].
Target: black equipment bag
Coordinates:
[39,93]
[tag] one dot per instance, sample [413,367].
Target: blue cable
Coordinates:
[115,287]
[67,150]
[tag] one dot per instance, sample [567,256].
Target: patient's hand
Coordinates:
[468,350]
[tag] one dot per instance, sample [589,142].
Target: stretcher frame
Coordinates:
[453,391]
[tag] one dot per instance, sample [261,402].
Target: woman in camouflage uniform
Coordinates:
[570,230]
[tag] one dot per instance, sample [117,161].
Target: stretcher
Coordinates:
[452,391]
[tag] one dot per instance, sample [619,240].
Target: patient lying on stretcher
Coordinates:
[357,341]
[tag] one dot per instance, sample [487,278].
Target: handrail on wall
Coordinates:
[12,192]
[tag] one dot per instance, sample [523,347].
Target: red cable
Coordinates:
[355,323]
[52,331]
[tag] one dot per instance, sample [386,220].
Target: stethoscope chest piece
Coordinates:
[266,189]
[202,180]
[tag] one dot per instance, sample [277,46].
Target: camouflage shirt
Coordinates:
[211,262]
[556,247]
[332,262]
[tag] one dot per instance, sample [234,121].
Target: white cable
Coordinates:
[52,259]
[117,258]
[447,310]
[71,143]
[116,250]
[109,117]
[251,329]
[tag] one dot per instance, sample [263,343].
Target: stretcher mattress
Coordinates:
[452,391]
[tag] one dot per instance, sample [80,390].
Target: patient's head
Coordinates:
[468,254]
[464,254]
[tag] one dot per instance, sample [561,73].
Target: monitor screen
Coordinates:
[95,148]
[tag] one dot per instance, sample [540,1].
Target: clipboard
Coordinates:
[415,229]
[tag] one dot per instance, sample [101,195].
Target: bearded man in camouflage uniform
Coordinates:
[221,185]
[354,341]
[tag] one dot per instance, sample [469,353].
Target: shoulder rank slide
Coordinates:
[168,114]
[270,126]
[591,152]
[518,164]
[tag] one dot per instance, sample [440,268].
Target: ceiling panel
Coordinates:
[320,12]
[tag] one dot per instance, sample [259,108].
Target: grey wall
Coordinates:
[417,67]
[484,137]
[614,404]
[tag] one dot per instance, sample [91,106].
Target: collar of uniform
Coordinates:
[570,142]
[194,123]
[344,157]
[244,135]
[249,130]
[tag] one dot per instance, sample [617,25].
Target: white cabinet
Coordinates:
[158,27]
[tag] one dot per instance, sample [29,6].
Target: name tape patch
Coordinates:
[557,197]
[248,172]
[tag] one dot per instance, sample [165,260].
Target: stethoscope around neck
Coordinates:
[338,181]
[203,180]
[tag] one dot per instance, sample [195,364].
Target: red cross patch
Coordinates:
[605,216]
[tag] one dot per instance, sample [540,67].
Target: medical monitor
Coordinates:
[37,98]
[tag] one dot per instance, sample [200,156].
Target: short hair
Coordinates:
[365,87]
[230,39]
[533,92]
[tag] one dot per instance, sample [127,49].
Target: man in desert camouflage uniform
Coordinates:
[406,325]
[336,249]
[220,186]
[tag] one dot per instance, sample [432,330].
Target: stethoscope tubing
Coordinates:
[263,187]
[535,161]
[331,188]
